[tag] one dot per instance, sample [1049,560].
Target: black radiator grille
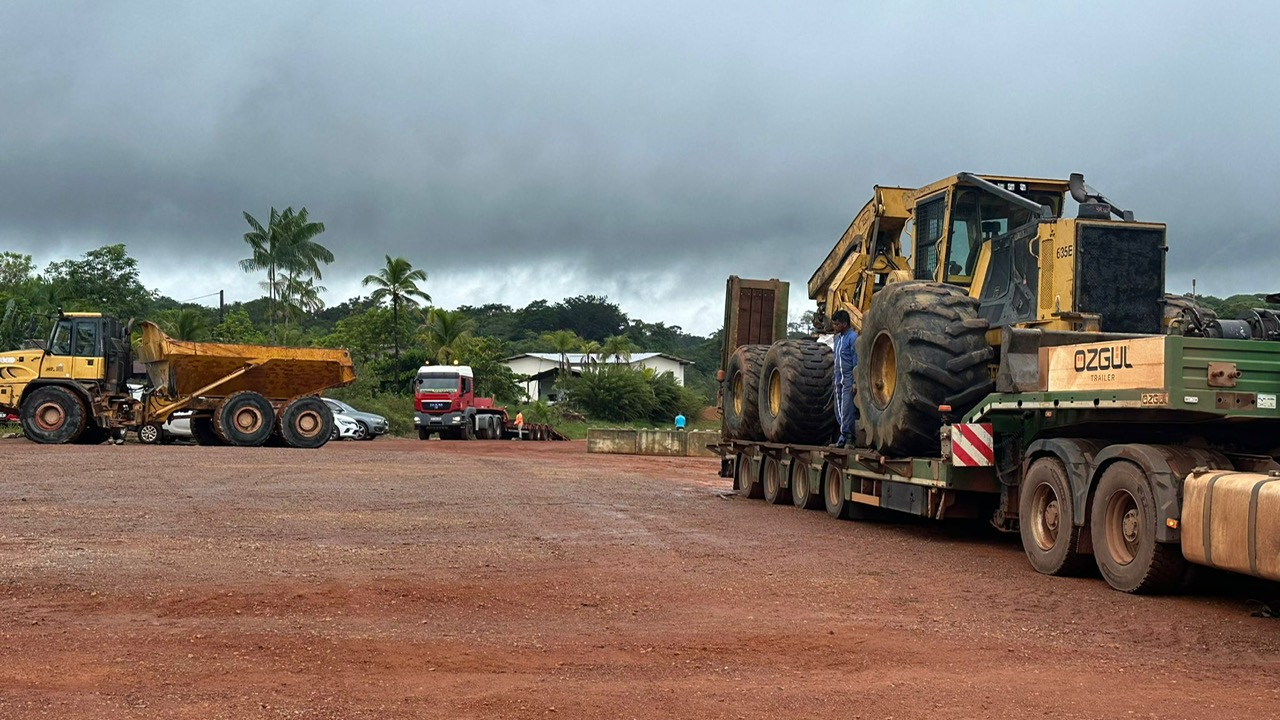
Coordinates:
[1120,276]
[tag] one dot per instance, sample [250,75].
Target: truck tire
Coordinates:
[424,434]
[92,435]
[244,418]
[306,423]
[774,493]
[922,346]
[797,400]
[202,429]
[151,434]
[53,415]
[802,496]
[1122,523]
[467,431]
[742,393]
[1046,520]
[744,482]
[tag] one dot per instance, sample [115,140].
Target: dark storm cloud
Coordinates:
[595,147]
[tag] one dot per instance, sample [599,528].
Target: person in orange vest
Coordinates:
[520,425]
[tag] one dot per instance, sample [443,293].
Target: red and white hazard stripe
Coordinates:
[972,445]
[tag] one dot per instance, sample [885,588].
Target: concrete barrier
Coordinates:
[668,443]
[620,441]
[673,443]
[699,440]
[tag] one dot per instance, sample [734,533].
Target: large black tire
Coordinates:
[424,434]
[306,423]
[245,418]
[1046,519]
[1122,523]
[202,429]
[92,435]
[53,415]
[742,392]
[797,399]
[922,346]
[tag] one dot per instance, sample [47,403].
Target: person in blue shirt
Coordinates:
[846,361]
[679,421]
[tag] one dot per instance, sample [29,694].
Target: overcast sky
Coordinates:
[646,151]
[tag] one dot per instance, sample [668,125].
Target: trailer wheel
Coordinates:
[245,418]
[802,496]
[922,345]
[744,482]
[151,434]
[774,493]
[1046,520]
[742,393]
[306,423]
[797,398]
[1122,523]
[53,415]
[202,429]
[838,506]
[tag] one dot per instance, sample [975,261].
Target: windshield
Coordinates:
[437,383]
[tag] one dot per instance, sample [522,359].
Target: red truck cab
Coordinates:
[445,404]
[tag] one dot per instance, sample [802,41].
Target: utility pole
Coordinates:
[1193,288]
[222,305]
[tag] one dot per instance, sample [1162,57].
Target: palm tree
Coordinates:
[563,342]
[298,298]
[618,347]
[286,245]
[187,324]
[398,281]
[443,331]
[591,352]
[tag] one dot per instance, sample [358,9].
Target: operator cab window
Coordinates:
[929,218]
[61,342]
[87,338]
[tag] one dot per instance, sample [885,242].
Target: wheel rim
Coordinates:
[1045,516]
[360,432]
[308,423]
[884,370]
[737,394]
[50,416]
[740,474]
[832,487]
[771,478]
[1124,527]
[775,393]
[148,433]
[248,419]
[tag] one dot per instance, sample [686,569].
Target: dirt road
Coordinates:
[403,579]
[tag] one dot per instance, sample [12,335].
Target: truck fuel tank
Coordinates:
[1231,520]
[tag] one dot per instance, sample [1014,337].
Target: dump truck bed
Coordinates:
[181,368]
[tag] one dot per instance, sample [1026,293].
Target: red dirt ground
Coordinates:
[406,579]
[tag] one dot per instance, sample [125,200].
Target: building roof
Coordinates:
[580,358]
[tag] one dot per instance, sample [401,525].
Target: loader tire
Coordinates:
[53,415]
[742,392]
[202,429]
[922,346]
[245,418]
[306,423]
[797,401]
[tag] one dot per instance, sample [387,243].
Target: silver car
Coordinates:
[370,425]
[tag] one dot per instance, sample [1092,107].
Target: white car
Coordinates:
[344,428]
[178,427]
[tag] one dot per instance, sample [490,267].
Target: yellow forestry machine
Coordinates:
[930,277]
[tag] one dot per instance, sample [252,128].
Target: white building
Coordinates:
[542,369]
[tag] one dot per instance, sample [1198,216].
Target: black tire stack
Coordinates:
[742,392]
[796,395]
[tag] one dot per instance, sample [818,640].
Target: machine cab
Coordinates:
[86,347]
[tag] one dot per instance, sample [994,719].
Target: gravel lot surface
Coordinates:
[406,579]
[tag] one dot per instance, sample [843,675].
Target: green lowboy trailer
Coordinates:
[1142,455]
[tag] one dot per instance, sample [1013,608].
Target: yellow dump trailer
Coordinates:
[76,388]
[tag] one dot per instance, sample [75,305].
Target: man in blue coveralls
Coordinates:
[846,361]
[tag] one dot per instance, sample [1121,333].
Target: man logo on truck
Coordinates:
[1105,358]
